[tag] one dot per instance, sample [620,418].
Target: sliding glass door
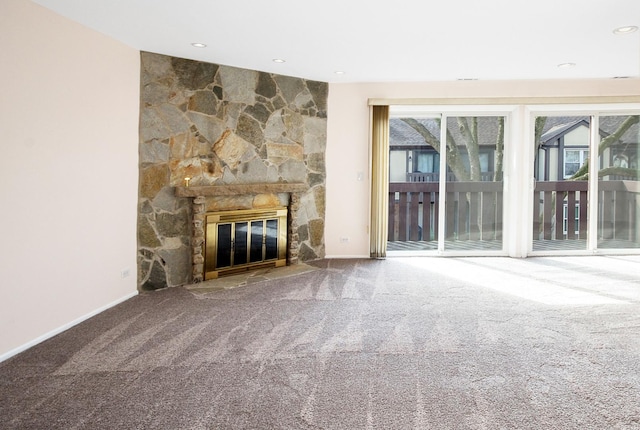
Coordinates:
[474,185]
[513,180]
[446,183]
[560,196]
[581,201]
[414,182]
[618,217]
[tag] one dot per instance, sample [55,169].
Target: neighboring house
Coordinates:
[409,153]
[411,159]
[562,150]
[564,147]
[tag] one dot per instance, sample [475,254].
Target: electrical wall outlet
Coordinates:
[124,273]
[344,240]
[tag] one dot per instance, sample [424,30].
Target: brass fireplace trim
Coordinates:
[213,219]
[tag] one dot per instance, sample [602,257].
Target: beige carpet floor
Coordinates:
[402,343]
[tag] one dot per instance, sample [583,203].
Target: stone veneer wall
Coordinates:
[223,125]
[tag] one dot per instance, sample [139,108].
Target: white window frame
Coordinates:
[510,113]
[584,155]
[594,111]
[519,178]
[565,218]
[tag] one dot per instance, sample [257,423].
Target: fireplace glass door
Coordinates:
[241,240]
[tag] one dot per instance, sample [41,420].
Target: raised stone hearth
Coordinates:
[204,201]
[226,129]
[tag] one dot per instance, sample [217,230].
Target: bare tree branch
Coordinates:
[539,127]
[428,137]
[583,171]
[497,174]
[454,161]
[470,133]
[617,171]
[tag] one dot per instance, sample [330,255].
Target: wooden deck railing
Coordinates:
[617,210]
[435,177]
[474,210]
[549,213]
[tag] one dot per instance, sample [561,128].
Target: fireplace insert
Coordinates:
[241,240]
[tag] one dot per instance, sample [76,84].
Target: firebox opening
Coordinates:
[236,241]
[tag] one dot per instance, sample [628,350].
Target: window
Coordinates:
[573,160]
[621,160]
[484,158]
[565,219]
[427,162]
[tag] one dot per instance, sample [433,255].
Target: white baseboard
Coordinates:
[64,327]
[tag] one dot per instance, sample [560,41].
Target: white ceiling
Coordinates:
[376,41]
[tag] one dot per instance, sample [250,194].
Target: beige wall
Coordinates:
[68,170]
[348,140]
[68,173]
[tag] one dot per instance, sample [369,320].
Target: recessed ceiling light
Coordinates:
[339,72]
[566,65]
[626,29]
[198,45]
[278,60]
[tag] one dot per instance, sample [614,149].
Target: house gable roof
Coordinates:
[402,135]
[560,129]
[558,126]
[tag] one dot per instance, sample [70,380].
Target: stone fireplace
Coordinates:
[245,139]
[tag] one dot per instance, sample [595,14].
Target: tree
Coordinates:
[583,172]
[468,128]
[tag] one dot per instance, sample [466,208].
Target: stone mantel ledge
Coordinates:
[240,189]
